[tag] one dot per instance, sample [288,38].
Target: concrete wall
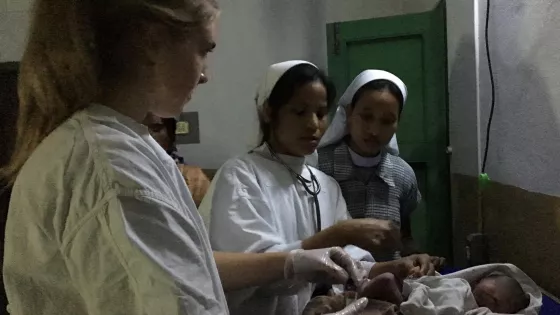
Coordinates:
[413,6]
[348,10]
[522,208]
[14,22]
[525,135]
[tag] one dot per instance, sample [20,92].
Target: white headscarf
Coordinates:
[274,73]
[337,129]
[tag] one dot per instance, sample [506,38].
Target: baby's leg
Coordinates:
[384,287]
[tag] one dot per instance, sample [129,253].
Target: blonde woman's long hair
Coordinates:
[71,45]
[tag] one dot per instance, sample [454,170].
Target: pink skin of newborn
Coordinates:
[385,287]
[383,292]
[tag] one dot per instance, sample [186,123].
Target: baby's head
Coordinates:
[500,293]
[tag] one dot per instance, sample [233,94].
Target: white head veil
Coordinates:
[337,129]
[274,73]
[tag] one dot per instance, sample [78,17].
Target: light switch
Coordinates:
[182,128]
[188,130]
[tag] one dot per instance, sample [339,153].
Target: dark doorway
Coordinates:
[8,116]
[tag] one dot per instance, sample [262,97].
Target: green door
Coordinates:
[414,48]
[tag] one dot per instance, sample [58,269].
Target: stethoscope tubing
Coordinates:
[314,183]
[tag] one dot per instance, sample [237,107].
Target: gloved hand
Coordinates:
[353,309]
[328,266]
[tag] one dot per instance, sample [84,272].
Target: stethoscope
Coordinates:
[314,190]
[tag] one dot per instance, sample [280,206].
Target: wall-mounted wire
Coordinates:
[492,87]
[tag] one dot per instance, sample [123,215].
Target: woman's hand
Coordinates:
[371,234]
[329,266]
[438,262]
[416,266]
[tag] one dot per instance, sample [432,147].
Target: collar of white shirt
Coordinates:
[295,163]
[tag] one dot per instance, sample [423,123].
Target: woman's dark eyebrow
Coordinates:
[390,116]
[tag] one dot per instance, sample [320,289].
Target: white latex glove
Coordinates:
[353,309]
[328,266]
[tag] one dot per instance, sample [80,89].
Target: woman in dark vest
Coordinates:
[360,151]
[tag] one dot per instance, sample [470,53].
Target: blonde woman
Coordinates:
[100,220]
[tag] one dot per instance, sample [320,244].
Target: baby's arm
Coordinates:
[385,287]
[383,293]
[396,267]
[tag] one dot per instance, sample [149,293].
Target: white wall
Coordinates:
[413,6]
[462,39]
[14,22]
[525,45]
[525,135]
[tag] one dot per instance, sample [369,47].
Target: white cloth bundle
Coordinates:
[451,294]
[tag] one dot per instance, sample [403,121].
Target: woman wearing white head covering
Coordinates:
[269,200]
[355,151]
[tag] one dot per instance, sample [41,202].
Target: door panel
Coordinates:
[412,47]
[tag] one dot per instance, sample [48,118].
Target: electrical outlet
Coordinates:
[188,129]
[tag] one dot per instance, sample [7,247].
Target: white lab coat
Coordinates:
[258,206]
[101,222]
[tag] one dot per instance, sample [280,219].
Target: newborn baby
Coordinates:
[384,290]
[485,289]
[500,294]
[496,291]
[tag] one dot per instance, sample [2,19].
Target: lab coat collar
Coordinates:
[343,159]
[107,113]
[295,163]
